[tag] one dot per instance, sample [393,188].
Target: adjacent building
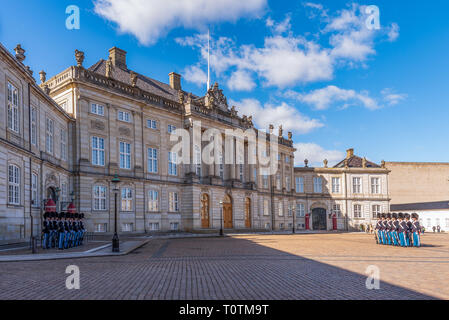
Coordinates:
[68,137]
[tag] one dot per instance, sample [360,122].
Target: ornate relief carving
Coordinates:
[20,53]
[133,76]
[97,125]
[79,56]
[216,99]
[124,131]
[109,68]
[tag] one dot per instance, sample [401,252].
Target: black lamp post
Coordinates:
[221,218]
[294,213]
[115,239]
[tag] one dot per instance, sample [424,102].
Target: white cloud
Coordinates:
[392,98]
[282,114]
[280,27]
[393,33]
[149,20]
[316,155]
[324,98]
[196,75]
[241,81]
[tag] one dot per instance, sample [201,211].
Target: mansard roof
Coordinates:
[356,162]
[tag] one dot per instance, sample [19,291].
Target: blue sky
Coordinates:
[313,66]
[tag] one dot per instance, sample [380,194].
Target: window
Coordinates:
[124,116]
[128,227]
[255,175]
[281,209]
[33,126]
[153,201]
[97,109]
[356,185]
[172,164]
[335,185]
[336,209]
[375,210]
[266,209]
[171,128]
[49,136]
[375,185]
[429,223]
[437,221]
[13,108]
[63,144]
[447,222]
[357,211]
[100,227]
[281,226]
[198,161]
[125,155]
[287,184]
[154,226]
[267,226]
[278,182]
[97,151]
[241,172]
[64,191]
[221,166]
[173,202]
[300,210]
[64,106]
[265,181]
[34,190]
[14,184]
[99,198]
[317,185]
[127,199]
[287,159]
[152,124]
[299,184]
[174,226]
[152,160]
[289,209]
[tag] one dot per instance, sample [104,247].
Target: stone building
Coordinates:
[80,128]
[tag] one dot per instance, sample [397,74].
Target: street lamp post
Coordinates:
[115,239]
[293,230]
[221,218]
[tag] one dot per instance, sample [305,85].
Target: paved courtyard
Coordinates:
[302,266]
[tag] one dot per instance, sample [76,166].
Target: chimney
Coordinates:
[175,80]
[349,153]
[118,57]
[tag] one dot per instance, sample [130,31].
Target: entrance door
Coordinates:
[227,212]
[319,219]
[205,211]
[247,213]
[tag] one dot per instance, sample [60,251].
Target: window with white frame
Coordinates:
[172,164]
[99,198]
[63,144]
[375,210]
[174,226]
[287,183]
[447,222]
[97,109]
[13,108]
[153,226]
[152,160]
[281,209]
[171,128]
[336,209]
[317,185]
[278,182]
[33,126]
[266,208]
[100,227]
[153,201]
[198,170]
[124,116]
[299,184]
[173,202]
[300,210]
[127,199]
[49,135]
[13,184]
[241,172]
[357,211]
[221,166]
[335,185]
[287,159]
[128,227]
[255,176]
[289,209]
[356,185]
[375,185]
[151,124]
[64,191]
[265,181]
[97,151]
[34,190]
[125,155]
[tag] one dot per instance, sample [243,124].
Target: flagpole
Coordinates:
[208,59]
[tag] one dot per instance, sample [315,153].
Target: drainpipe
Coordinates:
[33,247]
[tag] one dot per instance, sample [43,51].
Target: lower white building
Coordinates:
[431,214]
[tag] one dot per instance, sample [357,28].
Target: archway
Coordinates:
[319,220]
[227,212]
[247,213]
[51,194]
[205,220]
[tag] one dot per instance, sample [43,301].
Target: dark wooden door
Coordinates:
[227,215]
[248,213]
[319,219]
[205,211]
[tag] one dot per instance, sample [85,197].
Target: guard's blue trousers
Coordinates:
[46,241]
[416,239]
[394,236]
[62,236]
[379,236]
[384,237]
[389,241]
[402,239]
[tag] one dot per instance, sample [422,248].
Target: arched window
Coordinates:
[13,184]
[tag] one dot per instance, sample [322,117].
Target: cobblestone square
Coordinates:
[301,266]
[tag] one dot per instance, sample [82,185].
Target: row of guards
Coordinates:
[334,221]
[63,230]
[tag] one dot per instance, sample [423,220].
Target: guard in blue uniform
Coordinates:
[416,230]
[378,229]
[395,227]
[46,231]
[384,229]
[402,230]
[61,231]
[388,228]
[409,230]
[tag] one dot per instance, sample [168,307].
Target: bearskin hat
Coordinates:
[415,215]
[45,215]
[62,215]
[400,215]
[378,216]
[82,216]
[394,215]
[383,215]
[389,215]
[407,216]
[76,215]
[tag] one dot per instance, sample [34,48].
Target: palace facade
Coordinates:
[67,137]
